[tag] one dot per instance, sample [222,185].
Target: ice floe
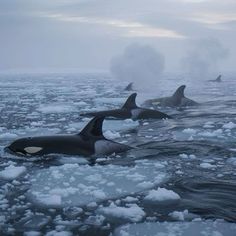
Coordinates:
[12,172]
[132,213]
[183,215]
[190,131]
[232,160]
[229,125]
[32,233]
[201,228]
[161,194]
[111,134]
[56,108]
[58,233]
[207,165]
[78,185]
[8,136]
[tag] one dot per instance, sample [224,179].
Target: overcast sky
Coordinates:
[86,34]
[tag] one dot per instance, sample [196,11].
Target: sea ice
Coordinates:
[161,194]
[132,213]
[55,108]
[179,215]
[232,160]
[60,233]
[79,185]
[185,156]
[12,172]
[201,228]
[8,136]
[216,133]
[189,131]
[207,165]
[111,134]
[229,125]
[32,233]
[130,199]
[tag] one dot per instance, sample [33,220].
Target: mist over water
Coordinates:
[204,57]
[141,64]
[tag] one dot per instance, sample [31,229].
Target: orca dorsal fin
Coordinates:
[218,79]
[129,87]
[94,127]
[130,102]
[179,93]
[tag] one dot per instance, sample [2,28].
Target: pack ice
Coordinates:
[79,185]
[200,228]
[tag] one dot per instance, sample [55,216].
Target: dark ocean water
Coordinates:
[193,155]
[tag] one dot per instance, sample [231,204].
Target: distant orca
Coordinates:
[130,111]
[90,141]
[218,79]
[176,100]
[129,87]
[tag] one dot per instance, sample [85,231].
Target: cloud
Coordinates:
[130,28]
[204,57]
[213,18]
[141,64]
[88,33]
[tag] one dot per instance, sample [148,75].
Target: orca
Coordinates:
[176,100]
[90,141]
[129,111]
[218,79]
[129,87]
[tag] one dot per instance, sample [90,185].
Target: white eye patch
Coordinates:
[32,150]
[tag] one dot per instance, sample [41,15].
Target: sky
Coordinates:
[62,35]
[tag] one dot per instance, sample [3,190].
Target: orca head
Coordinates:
[23,147]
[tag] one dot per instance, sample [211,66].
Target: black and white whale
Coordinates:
[176,100]
[218,79]
[90,141]
[129,87]
[130,111]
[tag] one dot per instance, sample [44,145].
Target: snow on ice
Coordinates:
[12,172]
[73,184]
[132,213]
[161,194]
[199,228]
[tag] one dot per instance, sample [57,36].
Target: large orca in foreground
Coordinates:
[218,79]
[130,111]
[90,141]
[176,100]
